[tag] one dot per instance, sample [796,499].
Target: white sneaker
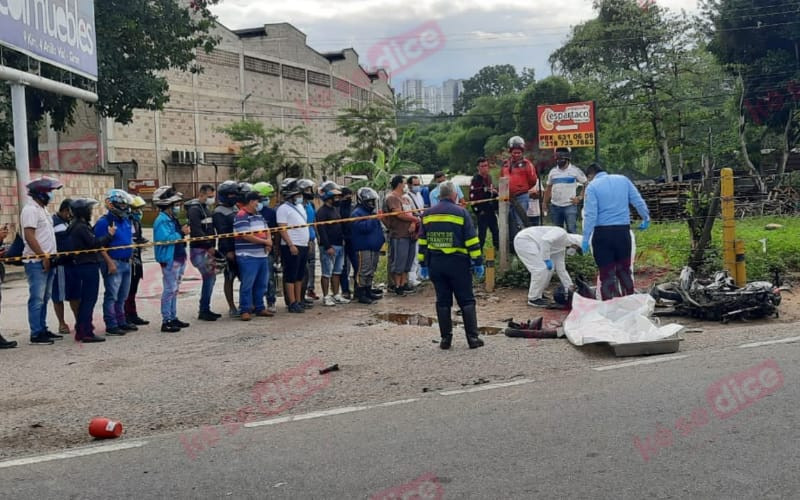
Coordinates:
[272,309]
[339,299]
[329,301]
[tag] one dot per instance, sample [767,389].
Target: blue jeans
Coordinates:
[332,264]
[515,224]
[171,283]
[254,277]
[206,264]
[40,286]
[117,287]
[562,215]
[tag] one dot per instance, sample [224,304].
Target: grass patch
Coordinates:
[666,246]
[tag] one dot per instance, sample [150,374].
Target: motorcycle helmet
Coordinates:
[82,208]
[166,196]
[306,186]
[118,202]
[289,187]
[228,193]
[368,197]
[265,189]
[516,142]
[563,296]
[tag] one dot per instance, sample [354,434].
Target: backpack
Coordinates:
[15,250]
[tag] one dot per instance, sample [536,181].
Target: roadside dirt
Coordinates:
[155,382]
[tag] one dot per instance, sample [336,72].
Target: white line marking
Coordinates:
[487,387]
[80,452]
[640,362]
[770,342]
[326,413]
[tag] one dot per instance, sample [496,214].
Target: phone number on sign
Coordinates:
[578,139]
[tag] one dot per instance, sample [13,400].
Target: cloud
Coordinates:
[477,32]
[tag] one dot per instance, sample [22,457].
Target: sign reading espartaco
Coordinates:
[58,32]
[566,125]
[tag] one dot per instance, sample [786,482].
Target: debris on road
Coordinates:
[332,368]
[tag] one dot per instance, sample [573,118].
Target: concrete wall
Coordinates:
[76,185]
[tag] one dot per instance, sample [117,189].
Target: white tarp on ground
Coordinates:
[622,320]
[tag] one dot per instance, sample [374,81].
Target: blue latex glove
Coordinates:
[479,271]
[423,272]
[585,247]
[549,264]
[644,225]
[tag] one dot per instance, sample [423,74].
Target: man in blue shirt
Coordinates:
[607,226]
[116,266]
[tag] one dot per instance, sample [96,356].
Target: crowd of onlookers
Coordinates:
[241,231]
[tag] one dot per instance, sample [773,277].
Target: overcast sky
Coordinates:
[462,36]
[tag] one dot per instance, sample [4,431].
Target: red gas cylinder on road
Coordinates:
[104,428]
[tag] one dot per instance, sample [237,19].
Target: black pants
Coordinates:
[87,280]
[451,275]
[488,220]
[137,271]
[611,246]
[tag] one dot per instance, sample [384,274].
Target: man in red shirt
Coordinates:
[522,180]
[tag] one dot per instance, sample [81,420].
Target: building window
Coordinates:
[262,66]
[219,57]
[320,79]
[293,73]
[341,85]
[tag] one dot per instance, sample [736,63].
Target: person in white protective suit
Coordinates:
[542,249]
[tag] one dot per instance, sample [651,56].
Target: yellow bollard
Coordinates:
[728,221]
[741,264]
[489,283]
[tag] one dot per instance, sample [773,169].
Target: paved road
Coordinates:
[711,424]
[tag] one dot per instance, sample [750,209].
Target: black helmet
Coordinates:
[82,208]
[516,142]
[244,188]
[563,295]
[228,193]
[289,187]
[367,197]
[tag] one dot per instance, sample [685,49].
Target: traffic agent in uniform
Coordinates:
[448,250]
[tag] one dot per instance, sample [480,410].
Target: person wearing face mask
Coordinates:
[60,279]
[137,269]
[413,199]
[270,215]
[367,239]
[482,188]
[561,195]
[306,187]
[331,244]
[252,250]
[85,268]
[172,258]
[202,252]
[350,255]
[294,243]
[40,239]
[403,227]
[116,268]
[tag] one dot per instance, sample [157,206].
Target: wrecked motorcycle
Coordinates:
[717,299]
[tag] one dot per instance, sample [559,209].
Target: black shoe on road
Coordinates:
[92,339]
[179,323]
[128,327]
[54,336]
[169,327]
[43,339]
[136,320]
[7,344]
[207,316]
[116,331]
[218,316]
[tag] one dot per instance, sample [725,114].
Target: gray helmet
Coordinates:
[289,187]
[166,196]
[244,188]
[366,194]
[516,142]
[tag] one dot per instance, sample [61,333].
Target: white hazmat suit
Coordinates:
[534,245]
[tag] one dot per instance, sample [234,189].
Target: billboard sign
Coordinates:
[58,32]
[567,125]
[143,187]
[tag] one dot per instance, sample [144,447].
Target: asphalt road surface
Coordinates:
[719,423]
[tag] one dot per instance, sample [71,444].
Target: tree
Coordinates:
[264,154]
[137,41]
[498,80]
[551,90]
[636,54]
[762,51]
[379,171]
[368,129]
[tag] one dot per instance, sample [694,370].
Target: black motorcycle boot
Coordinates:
[445,326]
[470,316]
[369,292]
[7,344]
[362,294]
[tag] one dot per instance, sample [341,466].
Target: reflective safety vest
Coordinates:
[447,229]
